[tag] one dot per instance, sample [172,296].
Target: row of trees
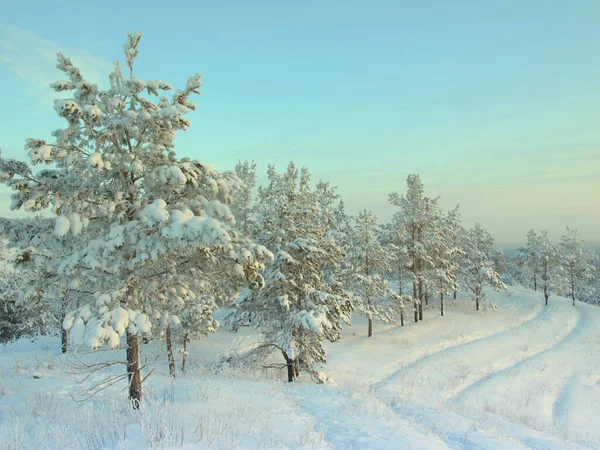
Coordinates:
[143,244]
[566,268]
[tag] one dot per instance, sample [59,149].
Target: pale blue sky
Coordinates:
[495,104]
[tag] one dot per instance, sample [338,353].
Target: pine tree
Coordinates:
[454,233]
[528,258]
[478,268]
[576,263]
[417,212]
[301,303]
[140,220]
[395,239]
[445,257]
[242,203]
[551,275]
[370,261]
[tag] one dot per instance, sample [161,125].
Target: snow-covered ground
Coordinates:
[521,376]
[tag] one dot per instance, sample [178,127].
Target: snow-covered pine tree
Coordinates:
[370,261]
[301,303]
[445,257]
[454,233]
[551,276]
[416,210]
[394,238]
[576,263]
[478,268]
[37,258]
[144,220]
[242,203]
[24,310]
[528,258]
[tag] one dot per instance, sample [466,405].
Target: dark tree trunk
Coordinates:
[133,370]
[426,298]
[170,354]
[546,296]
[416,301]
[454,295]
[64,334]
[370,319]
[442,303]
[402,319]
[64,338]
[290,367]
[184,355]
[573,289]
[420,299]
[535,283]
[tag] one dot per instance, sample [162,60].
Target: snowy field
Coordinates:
[524,376]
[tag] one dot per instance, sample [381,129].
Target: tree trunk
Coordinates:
[64,338]
[64,334]
[400,279]
[297,368]
[170,354]
[184,355]
[290,367]
[415,301]
[133,370]
[370,318]
[454,295]
[426,298]
[402,319]
[573,289]
[442,303]
[420,299]
[534,283]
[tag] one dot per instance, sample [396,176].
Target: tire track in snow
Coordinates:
[584,324]
[560,408]
[544,312]
[501,369]
[358,419]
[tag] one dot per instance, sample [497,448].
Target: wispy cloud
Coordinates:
[33,58]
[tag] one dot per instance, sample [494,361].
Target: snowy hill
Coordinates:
[521,376]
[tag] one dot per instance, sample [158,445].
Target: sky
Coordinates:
[494,104]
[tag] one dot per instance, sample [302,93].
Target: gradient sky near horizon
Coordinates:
[495,104]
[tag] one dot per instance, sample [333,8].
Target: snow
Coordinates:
[95,160]
[62,226]
[520,377]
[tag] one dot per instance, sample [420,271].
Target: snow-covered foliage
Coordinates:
[447,253]
[528,259]
[419,217]
[370,262]
[552,275]
[577,265]
[242,203]
[156,230]
[478,270]
[23,311]
[301,303]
